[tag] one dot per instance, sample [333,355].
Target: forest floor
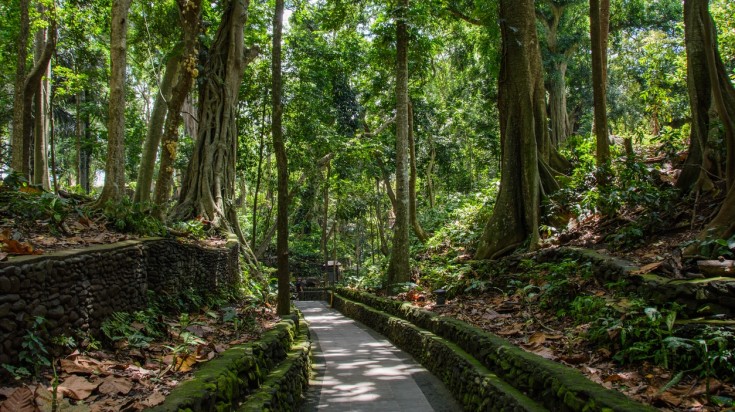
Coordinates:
[527,322]
[142,367]
[129,378]
[152,352]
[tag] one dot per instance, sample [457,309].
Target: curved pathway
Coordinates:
[359,370]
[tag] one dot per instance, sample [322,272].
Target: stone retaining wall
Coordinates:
[472,384]
[555,386]
[243,374]
[76,290]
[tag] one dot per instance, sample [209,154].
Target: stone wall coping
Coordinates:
[238,372]
[68,253]
[555,385]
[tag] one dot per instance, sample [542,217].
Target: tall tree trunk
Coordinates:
[155,131]
[386,181]
[258,178]
[52,142]
[279,147]
[209,185]
[399,269]
[558,116]
[41,111]
[380,222]
[556,78]
[32,88]
[190,21]
[723,93]
[599,9]
[78,133]
[19,160]
[85,157]
[325,214]
[723,99]
[417,229]
[114,188]
[693,175]
[515,218]
[430,173]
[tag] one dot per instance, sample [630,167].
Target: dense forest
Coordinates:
[418,144]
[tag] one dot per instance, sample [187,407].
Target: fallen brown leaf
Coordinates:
[3,256]
[185,363]
[647,268]
[21,400]
[44,401]
[545,353]
[623,376]
[14,247]
[576,359]
[156,398]
[512,331]
[113,385]
[670,398]
[7,391]
[77,387]
[138,373]
[537,338]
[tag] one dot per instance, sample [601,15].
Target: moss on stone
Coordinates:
[556,386]
[470,382]
[224,382]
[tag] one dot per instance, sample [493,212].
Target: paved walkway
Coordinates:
[360,370]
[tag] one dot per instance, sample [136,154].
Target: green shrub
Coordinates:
[132,217]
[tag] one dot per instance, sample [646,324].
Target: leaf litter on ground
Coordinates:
[562,341]
[132,379]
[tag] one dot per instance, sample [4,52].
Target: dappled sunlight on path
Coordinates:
[359,370]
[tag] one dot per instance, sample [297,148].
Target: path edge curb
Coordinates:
[556,386]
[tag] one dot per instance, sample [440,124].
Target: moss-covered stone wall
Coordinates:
[79,289]
[269,374]
[472,384]
[552,385]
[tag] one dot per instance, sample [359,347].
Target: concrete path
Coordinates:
[359,370]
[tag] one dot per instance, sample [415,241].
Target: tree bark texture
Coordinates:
[723,93]
[190,21]
[33,90]
[380,222]
[279,147]
[52,143]
[155,131]
[209,185]
[325,215]
[19,160]
[709,70]
[399,269]
[417,229]
[693,175]
[556,79]
[41,111]
[599,9]
[387,182]
[258,178]
[430,173]
[114,187]
[515,217]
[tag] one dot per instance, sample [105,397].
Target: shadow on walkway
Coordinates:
[358,369]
